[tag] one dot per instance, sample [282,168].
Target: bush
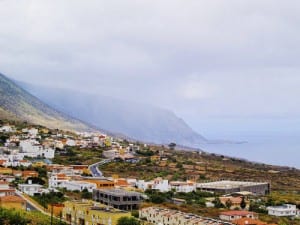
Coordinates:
[128,221]
[12,217]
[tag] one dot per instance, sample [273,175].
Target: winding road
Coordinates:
[94,168]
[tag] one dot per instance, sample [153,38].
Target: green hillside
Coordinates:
[18,104]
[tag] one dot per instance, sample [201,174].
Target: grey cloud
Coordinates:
[198,58]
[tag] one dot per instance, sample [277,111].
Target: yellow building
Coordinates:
[101,183]
[91,213]
[107,142]
[4,170]
[12,202]
[39,164]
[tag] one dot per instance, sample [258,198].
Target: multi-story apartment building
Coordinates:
[90,213]
[118,198]
[172,217]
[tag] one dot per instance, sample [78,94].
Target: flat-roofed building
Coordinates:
[237,214]
[12,202]
[228,187]
[156,215]
[118,198]
[6,190]
[31,189]
[283,210]
[74,185]
[101,183]
[89,212]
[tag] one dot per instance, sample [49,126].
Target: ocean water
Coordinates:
[275,149]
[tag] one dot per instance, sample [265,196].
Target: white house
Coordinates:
[71,142]
[57,180]
[156,184]
[31,189]
[33,132]
[7,129]
[180,186]
[15,163]
[48,153]
[237,214]
[5,189]
[111,153]
[30,145]
[79,186]
[32,148]
[284,210]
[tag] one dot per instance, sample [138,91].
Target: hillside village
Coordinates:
[92,178]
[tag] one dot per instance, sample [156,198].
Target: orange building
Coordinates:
[2,162]
[28,173]
[121,183]
[101,183]
[56,209]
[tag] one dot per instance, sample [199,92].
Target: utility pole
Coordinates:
[51,213]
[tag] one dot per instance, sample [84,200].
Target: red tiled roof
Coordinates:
[237,213]
[11,198]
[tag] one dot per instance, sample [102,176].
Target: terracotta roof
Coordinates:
[237,213]
[248,221]
[2,161]
[121,183]
[3,182]
[30,174]
[234,200]
[11,198]
[23,160]
[7,190]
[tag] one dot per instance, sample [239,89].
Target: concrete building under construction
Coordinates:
[118,198]
[229,187]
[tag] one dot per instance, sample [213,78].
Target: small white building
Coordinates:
[79,186]
[5,189]
[32,148]
[31,189]
[15,163]
[110,154]
[7,129]
[284,210]
[237,214]
[71,142]
[156,184]
[33,132]
[185,187]
[58,180]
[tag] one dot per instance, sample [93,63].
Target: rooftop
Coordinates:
[187,216]
[118,192]
[237,213]
[225,184]
[11,198]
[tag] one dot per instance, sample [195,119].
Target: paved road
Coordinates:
[32,205]
[94,168]
[35,206]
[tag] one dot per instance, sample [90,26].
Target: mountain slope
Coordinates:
[135,120]
[16,103]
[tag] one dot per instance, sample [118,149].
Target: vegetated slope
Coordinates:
[18,104]
[135,120]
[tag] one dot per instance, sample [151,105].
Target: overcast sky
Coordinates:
[201,59]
